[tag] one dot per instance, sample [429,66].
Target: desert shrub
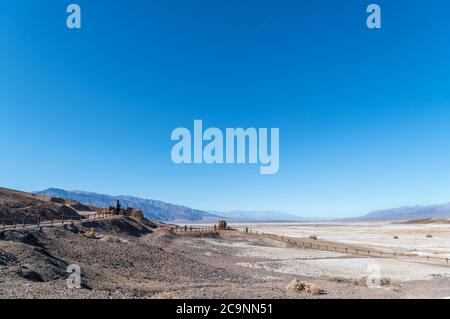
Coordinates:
[360,282]
[90,233]
[385,282]
[113,239]
[396,237]
[310,288]
[429,236]
[313,237]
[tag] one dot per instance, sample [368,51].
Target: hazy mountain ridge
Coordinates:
[159,210]
[153,209]
[411,212]
[258,216]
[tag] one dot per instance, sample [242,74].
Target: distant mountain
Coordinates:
[414,212]
[258,216]
[152,208]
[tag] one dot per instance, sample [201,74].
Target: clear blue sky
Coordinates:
[364,115]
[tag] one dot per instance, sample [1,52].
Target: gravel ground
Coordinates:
[128,258]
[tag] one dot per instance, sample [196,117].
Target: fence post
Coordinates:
[14,222]
[4,222]
[39,220]
[62,219]
[23,222]
[51,223]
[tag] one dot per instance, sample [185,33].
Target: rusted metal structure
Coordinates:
[222,225]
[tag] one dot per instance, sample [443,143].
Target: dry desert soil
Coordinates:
[124,257]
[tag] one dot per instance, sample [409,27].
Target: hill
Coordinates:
[152,209]
[21,204]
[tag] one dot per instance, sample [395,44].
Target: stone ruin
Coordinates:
[222,225]
[130,212]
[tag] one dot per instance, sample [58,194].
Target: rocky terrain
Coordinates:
[130,257]
[124,257]
[20,204]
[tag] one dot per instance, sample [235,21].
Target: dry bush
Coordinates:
[385,282]
[90,233]
[396,237]
[360,282]
[160,295]
[429,236]
[310,288]
[113,239]
[313,237]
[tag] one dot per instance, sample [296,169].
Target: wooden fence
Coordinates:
[192,229]
[347,249]
[27,221]
[323,246]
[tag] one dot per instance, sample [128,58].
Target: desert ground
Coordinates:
[379,235]
[125,257]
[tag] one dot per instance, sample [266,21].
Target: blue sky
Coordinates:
[363,114]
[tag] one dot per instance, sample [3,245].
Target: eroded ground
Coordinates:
[127,258]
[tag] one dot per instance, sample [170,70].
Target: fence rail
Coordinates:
[192,229]
[343,248]
[323,246]
[28,221]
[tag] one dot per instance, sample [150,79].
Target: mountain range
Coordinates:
[411,212]
[159,210]
[152,209]
[257,216]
